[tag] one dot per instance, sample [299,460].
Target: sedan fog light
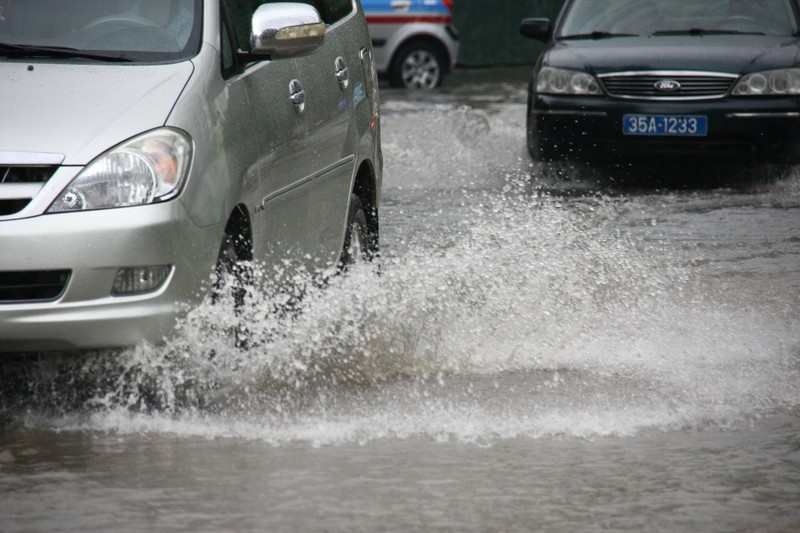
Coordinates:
[136,280]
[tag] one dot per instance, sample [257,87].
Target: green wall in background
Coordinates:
[489,30]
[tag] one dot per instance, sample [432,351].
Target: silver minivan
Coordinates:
[146,144]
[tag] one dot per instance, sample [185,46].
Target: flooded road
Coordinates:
[543,349]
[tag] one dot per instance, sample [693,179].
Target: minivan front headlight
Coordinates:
[552,80]
[769,83]
[147,169]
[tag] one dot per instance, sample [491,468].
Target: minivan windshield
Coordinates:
[592,18]
[130,30]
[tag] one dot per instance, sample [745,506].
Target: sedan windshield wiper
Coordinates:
[30,51]
[597,35]
[704,31]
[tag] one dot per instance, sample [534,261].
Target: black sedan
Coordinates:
[627,79]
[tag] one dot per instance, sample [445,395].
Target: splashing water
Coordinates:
[498,312]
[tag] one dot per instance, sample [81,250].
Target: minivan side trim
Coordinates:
[299,183]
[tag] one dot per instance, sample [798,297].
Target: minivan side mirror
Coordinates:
[286,29]
[539,29]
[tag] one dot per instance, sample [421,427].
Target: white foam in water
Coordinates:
[469,148]
[536,319]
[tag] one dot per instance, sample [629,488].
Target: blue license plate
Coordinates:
[665,125]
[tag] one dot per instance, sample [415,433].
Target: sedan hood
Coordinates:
[80,110]
[714,53]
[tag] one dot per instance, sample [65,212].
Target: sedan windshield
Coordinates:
[674,17]
[103,30]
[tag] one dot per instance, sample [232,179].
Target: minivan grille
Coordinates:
[691,86]
[32,286]
[15,205]
[38,174]
[21,175]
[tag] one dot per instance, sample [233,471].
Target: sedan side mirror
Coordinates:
[286,29]
[539,29]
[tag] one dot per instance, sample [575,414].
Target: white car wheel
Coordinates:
[418,67]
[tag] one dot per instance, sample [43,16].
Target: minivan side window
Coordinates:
[226,47]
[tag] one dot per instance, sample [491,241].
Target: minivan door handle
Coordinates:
[342,74]
[298,96]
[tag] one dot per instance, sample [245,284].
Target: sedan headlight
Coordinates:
[561,81]
[769,83]
[146,169]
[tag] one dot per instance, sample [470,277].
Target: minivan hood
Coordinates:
[714,53]
[82,110]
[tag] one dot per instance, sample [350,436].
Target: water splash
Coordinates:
[508,311]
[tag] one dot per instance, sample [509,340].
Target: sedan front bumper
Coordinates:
[591,129]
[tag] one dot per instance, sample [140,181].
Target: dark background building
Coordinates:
[489,30]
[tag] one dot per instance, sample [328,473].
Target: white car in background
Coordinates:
[414,41]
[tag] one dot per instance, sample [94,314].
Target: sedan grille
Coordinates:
[32,286]
[668,85]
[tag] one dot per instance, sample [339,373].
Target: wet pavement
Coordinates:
[544,349]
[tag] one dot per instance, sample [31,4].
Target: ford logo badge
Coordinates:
[667,86]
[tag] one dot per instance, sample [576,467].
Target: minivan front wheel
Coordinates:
[232,274]
[418,66]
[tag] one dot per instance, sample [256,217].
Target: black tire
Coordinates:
[418,66]
[360,244]
[232,279]
[537,151]
[232,274]
[533,146]
[541,149]
[530,137]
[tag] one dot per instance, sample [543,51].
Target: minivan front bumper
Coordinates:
[91,247]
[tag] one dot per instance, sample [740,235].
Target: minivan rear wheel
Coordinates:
[359,246]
